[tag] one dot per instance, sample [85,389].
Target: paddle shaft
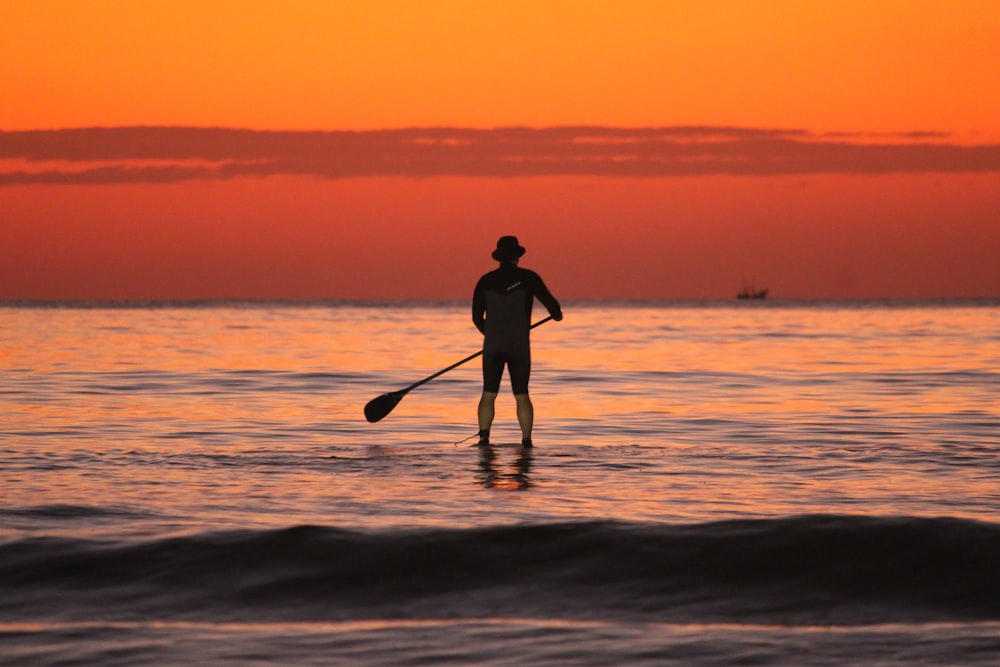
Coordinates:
[459,363]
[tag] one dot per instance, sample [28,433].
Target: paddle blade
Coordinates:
[378,408]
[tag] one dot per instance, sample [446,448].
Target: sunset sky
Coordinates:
[376,150]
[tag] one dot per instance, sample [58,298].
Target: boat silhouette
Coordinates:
[750,291]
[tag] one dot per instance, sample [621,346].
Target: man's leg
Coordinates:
[525,417]
[486,410]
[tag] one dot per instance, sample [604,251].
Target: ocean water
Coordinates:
[712,484]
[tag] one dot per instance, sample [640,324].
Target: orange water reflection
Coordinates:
[254,415]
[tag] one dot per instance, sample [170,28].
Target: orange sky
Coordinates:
[820,193]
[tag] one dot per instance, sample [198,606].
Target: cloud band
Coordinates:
[173,154]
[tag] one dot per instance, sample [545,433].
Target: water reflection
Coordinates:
[659,414]
[515,476]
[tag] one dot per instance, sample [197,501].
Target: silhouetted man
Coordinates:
[501,310]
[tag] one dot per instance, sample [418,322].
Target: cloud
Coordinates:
[172,154]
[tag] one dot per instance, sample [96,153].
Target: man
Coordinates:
[501,310]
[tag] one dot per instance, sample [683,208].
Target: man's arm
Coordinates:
[549,301]
[479,307]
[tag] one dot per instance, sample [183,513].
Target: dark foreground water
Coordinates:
[712,484]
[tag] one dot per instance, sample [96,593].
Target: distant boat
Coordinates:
[750,291]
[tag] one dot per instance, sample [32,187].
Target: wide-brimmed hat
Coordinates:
[507,249]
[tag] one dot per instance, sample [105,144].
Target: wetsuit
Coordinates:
[501,310]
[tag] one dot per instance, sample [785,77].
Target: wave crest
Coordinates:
[799,570]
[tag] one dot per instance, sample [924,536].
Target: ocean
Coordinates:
[712,483]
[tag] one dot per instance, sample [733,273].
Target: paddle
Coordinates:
[379,407]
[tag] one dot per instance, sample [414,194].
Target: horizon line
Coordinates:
[129,303]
